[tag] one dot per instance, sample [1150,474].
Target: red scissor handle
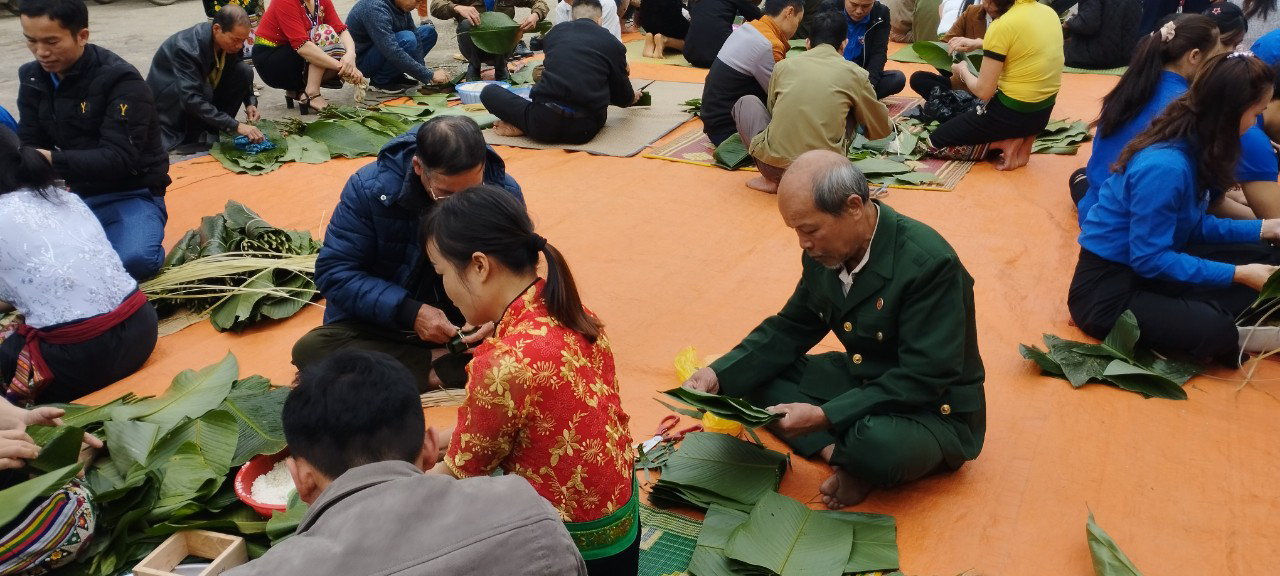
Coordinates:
[667,424]
[678,435]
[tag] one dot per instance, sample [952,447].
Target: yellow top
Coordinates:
[1028,39]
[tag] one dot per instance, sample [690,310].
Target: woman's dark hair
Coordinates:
[450,144]
[1138,84]
[1003,6]
[487,219]
[1232,24]
[1255,8]
[1208,116]
[22,166]
[352,408]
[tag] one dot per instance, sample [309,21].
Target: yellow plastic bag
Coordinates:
[686,364]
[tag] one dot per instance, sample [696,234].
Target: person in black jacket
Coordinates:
[584,71]
[92,115]
[868,44]
[710,23]
[1102,34]
[199,79]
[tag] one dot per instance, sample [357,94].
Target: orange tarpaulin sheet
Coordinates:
[671,255]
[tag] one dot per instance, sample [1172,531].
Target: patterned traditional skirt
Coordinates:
[609,535]
[51,535]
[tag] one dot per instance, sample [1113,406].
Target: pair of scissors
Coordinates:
[664,433]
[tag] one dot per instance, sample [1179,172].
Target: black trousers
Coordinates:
[415,354]
[84,368]
[923,83]
[476,57]
[999,122]
[230,93]
[891,82]
[542,121]
[624,563]
[280,67]
[1174,317]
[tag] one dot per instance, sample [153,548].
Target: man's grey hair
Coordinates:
[832,190]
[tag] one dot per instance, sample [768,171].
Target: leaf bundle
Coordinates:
[1116,361]
[732,154]
[1061,137]
[891,160]
[244,162]
[711,468]
[726,407]
[168,463]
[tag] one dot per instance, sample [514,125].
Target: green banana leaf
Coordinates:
[1108,559]
[875,540]
[522,76]
[282,525]
[934,54]
[191,394]
[214,434]
[257,408]
[878,166]
[1117,361]
[726,407]
[543,26]
[646,99]
[16,498]
[62,450]
[241,520]
[709,554]
[1270,290]
[782,536]
[347,138]
[238,160]
[732,153]
[711,468]
[305,149]
[497,33]
[131,442]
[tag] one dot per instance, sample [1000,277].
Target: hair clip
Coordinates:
[1239,53]
[1168,31]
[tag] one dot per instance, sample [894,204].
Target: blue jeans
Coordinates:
[381,70]
[134,222]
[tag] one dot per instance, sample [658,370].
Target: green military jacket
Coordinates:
[443,9]
[908,329]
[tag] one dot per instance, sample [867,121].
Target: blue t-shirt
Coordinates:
[1107,149]
[1146,216]
[1267,48]
[856,32]
[1258,161]
[7,120]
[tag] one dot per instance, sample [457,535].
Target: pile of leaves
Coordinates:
[169,464]
[693,106]
[1061,137]
[711,468]
[782,536]
[355,132]
[1116,361]
[895,159]
[285,146]
[238,269]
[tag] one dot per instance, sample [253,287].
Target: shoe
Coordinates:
[396,86]
[334,83]
[522,50]
[536,44]
[304,104]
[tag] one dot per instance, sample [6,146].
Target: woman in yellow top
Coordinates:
[542,398]
[1021,72]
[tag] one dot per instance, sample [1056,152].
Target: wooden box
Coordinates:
[224,552]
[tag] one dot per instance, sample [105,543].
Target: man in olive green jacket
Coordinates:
[467,14]
[905,399]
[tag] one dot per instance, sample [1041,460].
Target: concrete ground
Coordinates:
[134,29]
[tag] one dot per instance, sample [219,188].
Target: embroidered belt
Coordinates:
[260,41]
[613,533]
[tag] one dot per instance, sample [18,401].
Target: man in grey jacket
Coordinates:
[200,80]
[359,444]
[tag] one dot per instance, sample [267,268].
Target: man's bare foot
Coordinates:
[842,489]
[659,46]
[648,46]
[504,129]
[763,184]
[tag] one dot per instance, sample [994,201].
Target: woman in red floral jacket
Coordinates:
[542,397]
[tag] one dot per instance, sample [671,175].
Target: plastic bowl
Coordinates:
[255,467]
[524,91]
[469,92]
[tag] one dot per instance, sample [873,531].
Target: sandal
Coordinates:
[304,104]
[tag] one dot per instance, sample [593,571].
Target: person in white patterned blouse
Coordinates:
[84,323]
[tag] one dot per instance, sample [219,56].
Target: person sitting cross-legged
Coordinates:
[200,81]
[380,291]
[816,99]
[584,71]
[905,398]
[867,25]
[745,63]
[358,445]
[389,48]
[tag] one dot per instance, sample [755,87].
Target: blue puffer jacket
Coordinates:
[373,268]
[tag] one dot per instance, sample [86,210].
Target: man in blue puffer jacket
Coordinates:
[381,292]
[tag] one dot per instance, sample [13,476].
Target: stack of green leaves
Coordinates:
[168,465]
[291,147]
[712,468]
[732,154]
[893,160]
[238,269]
[782,536]
[726,407]
[356,132]
[1116,361]
[1061,137]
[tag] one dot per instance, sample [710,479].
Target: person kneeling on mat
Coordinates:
[584,71]
[905,397]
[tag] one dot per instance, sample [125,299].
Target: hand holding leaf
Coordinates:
[16,448]
[799,419]
[704,380]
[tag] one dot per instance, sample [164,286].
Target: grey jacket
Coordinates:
[390,518]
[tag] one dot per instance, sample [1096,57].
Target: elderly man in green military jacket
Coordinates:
[905,399]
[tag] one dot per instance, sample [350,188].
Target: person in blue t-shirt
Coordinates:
[1158,73]
[1267,48]
[1148,245]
